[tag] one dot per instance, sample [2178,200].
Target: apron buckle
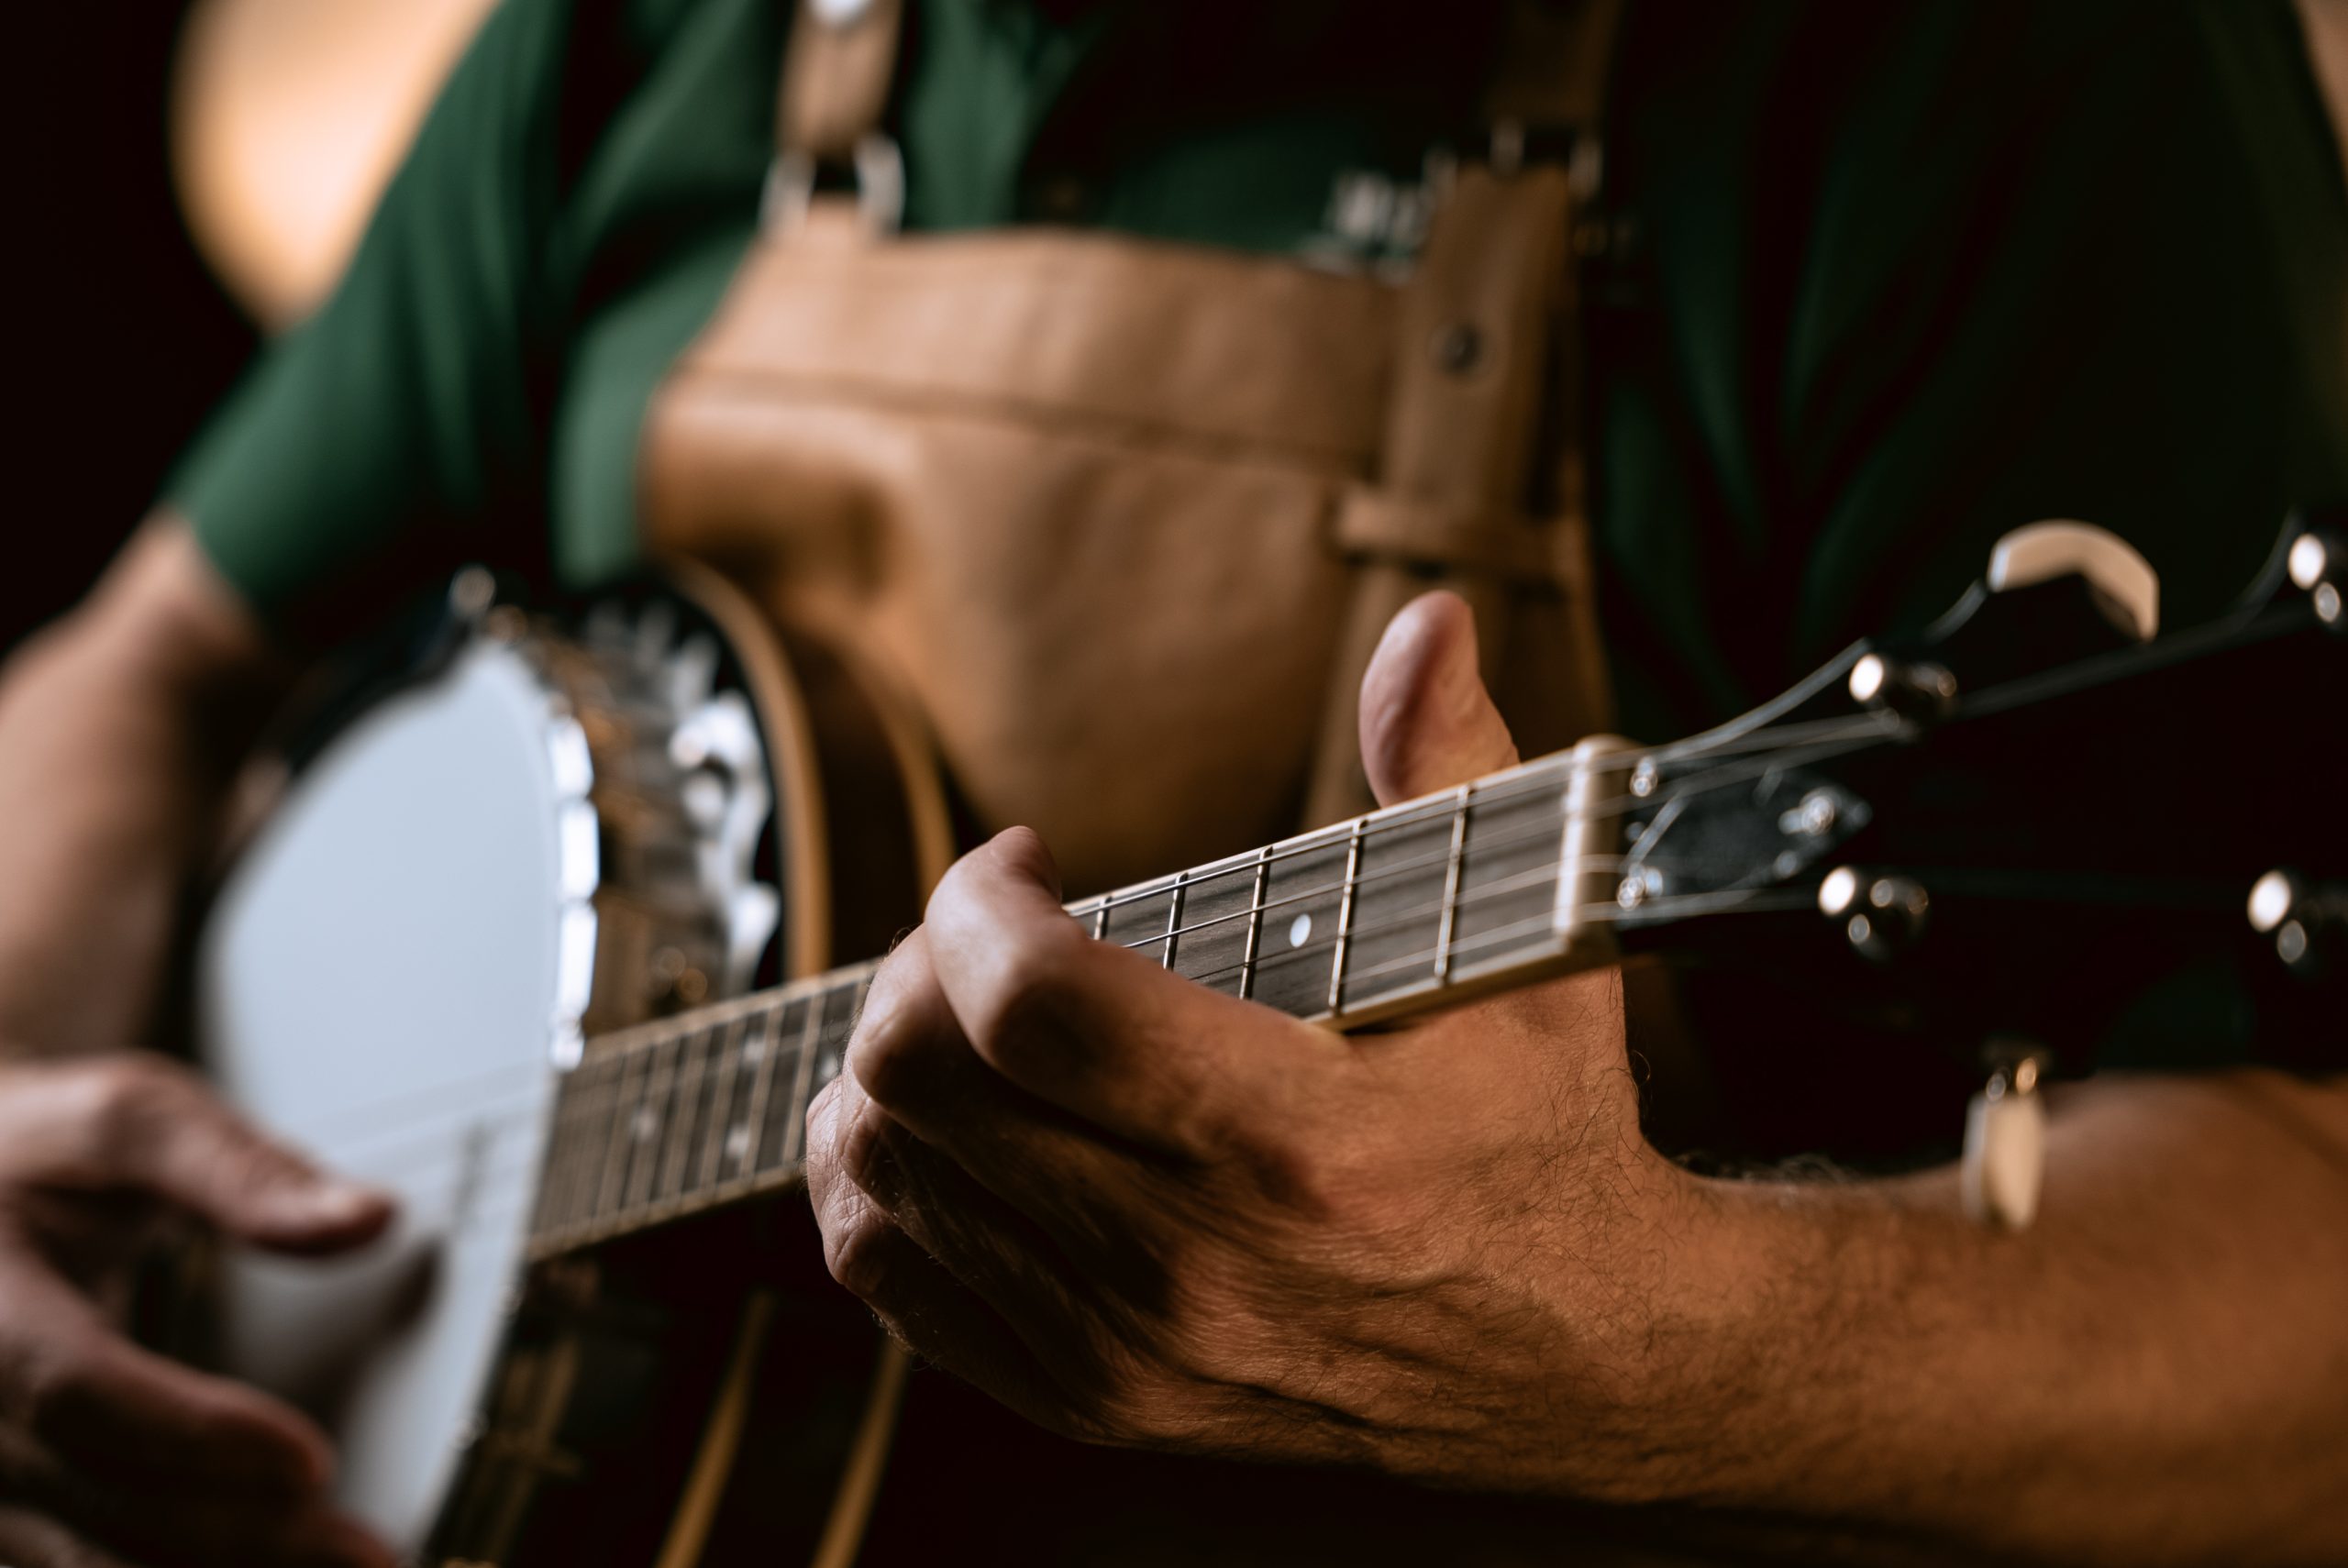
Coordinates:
[877,175]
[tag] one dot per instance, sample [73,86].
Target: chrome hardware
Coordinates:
[1639,887]
[1813,817]
[1920,691]
[1881,915]
[2304,919]
[2314,566]
[790,189]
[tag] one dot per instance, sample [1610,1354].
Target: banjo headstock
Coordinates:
[2014,819]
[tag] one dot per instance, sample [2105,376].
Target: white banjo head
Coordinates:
[382,984]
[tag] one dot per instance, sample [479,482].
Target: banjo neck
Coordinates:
[1496,883]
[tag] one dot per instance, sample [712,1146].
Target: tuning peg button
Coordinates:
[1919,690]
[2315,565]
[2004,1169]
[1881,915]
[2308,921]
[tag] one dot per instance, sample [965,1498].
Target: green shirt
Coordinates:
[1900,278]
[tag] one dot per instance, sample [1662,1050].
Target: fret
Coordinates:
[1506,901]
[779,1134]
[1345,919]
[803,1083]
[1216,907]
[737,1159]
[1141,918]
[841,1006]
[1303,885]
[1173,921]
[613,1186]
[561,1155]
[1453,859]
[1395,935]
[1255,923]
[701,1108]
[1100,921]
[589,1089]
[676,1142]
[725,1078]
[651,1120]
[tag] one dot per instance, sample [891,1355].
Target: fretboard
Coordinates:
[1377,916]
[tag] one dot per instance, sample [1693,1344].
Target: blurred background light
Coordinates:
[288,118]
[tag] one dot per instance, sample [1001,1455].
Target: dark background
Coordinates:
[124,340]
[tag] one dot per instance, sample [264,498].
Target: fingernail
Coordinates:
[337,1203]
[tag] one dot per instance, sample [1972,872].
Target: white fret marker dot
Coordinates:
[1299,929]
[646,1122]
[737,1144]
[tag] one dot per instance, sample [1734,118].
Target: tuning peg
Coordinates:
[2316,565]
[2125,586]
[1881,915]
[1918,691]
[2306,920]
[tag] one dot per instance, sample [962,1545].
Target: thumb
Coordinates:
[162,1129]
[1427,723]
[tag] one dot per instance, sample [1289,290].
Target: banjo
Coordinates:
[539,935]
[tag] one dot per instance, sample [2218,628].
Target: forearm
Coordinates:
[120,728]
[2157,1371]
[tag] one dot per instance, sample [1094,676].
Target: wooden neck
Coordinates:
[1398,911]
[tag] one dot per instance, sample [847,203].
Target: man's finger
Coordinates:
[1427,723]
[938,1319]
[29,1540]
[909,1057]
[106,1407]
[137,1120]
[69,1521]
[1098,1031]
[167,1529]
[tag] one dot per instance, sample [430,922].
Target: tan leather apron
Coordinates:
[1121,520]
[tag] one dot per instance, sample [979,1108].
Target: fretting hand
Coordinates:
[1140,1212]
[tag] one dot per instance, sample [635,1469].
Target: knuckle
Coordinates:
[1113,1401]
[56,1386]
[128,1100]
[1301,1179]
[1135,1399]
[864,1152]
[860,1253]
[1031,1011]
[885,1056]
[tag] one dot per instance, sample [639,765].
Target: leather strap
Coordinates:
[1490,342]
[1432,537]
[836,78]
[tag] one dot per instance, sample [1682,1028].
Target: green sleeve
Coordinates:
[1932,272]
[395,433]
